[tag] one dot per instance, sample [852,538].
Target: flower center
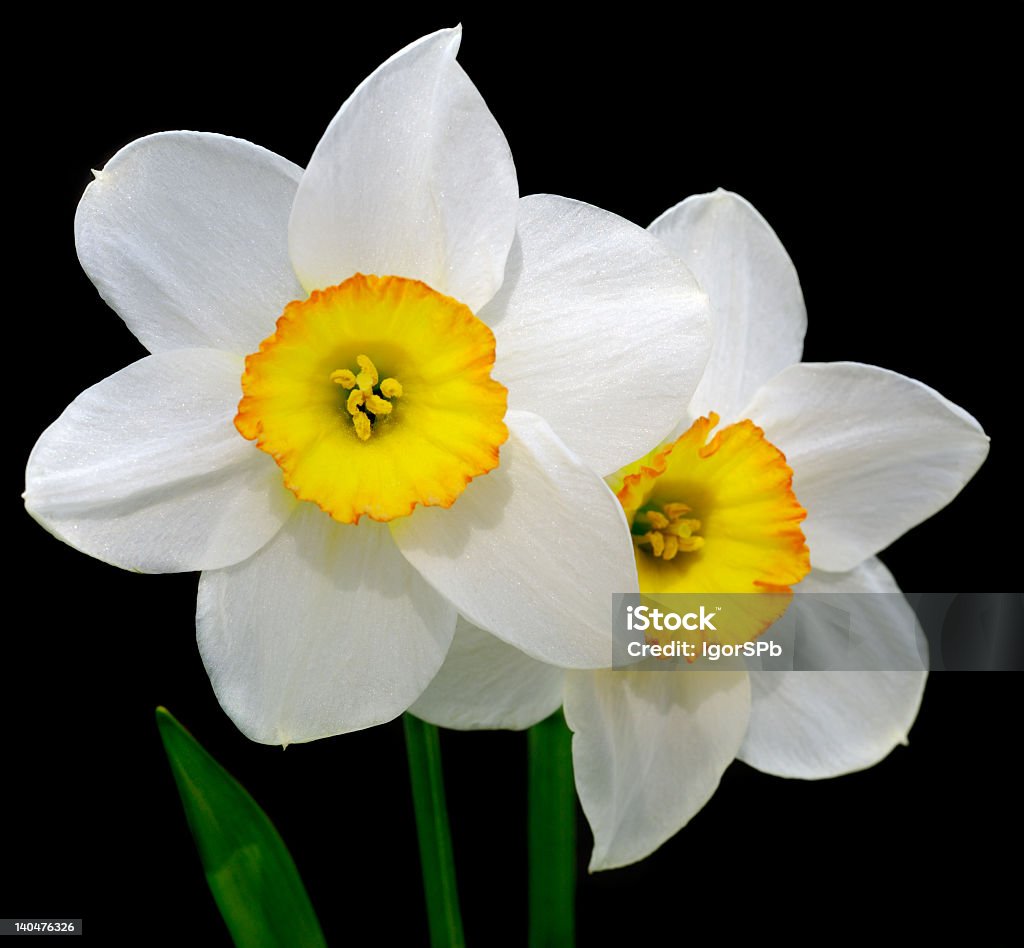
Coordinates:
[749,539]
[322,397]
[664,531]
[369,397]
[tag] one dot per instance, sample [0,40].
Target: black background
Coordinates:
[878,151]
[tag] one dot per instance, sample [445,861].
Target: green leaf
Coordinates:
[249,870]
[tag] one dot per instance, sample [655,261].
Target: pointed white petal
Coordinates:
[414,178]
[756,301]
[873,453]
[326,630]
[648,751]
[824,723]
[485,683]
[145,470]
[531,552]
[185,236]
[599,330]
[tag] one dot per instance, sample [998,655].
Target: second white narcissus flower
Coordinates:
[357,478]
[819,465]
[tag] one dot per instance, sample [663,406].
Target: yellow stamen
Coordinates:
[362,425]
[363,400]
[368,377]
[378,405]
[344,377]
[657,520]
[670,532]
[657,541]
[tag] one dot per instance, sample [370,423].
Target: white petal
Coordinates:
[531,552]
[146,470]
[648,751]
[326,630]
[756,302]
[485,683]
[599,330]
[824,723]
[873,453]
[414,178]
[185,236]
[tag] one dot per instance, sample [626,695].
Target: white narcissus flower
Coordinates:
[865,452]
[401,268]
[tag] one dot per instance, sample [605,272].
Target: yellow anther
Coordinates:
[657,521]
[368,377]
[362,426]
[669,533]
[675,510]
[377,405]
[355,400]
[344,377]
[366,398]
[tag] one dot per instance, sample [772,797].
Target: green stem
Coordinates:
[423,747]
[552,835]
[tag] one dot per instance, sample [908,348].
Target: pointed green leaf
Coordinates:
[249,870]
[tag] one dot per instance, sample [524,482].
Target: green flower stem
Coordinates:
[552,835]
[423,747]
